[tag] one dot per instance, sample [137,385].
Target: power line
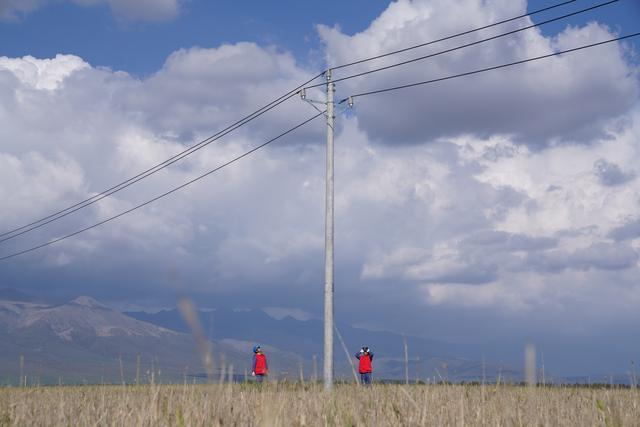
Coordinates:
[307,121]
[124,184]
[482,70]
[452,36]
[131,181]
[235,159]
[421,58]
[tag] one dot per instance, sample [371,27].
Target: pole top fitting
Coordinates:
[303,93]
[327,74]
[350,101]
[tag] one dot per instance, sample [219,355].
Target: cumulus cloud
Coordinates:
[200,89]
[48,180]
[534,102]
[65,113]
[129,10]
[42,73]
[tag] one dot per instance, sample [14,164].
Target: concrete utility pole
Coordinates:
[328,229]
[328,242]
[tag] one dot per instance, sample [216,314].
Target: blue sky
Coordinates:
[140,48]
[490,209]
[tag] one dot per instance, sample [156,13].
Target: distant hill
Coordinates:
[300,336]
[433,359]
[83,340]
[86,341]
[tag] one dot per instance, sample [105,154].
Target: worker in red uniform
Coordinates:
[365,356]
[260,368]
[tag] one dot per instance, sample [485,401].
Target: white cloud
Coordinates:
[42,73]
[564,192]
[32,177]
[64,114]
[534,102]
[201,89]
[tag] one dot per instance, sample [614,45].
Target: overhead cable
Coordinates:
[124,184]
[309,120]
[464,33]
[442,52]
[482,70]
[235,159]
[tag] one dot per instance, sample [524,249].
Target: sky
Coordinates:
[494,209]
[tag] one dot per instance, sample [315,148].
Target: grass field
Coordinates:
[290,404]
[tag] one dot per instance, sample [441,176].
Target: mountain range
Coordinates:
[84,340]
[433,359]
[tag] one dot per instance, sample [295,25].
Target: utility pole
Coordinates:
[328,242]
[328,228]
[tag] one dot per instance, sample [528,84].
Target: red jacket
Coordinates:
[365,364]
[259,364]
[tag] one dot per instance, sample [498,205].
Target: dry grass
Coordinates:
[289,404]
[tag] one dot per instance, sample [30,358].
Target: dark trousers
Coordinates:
[259,377]
[365,378]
